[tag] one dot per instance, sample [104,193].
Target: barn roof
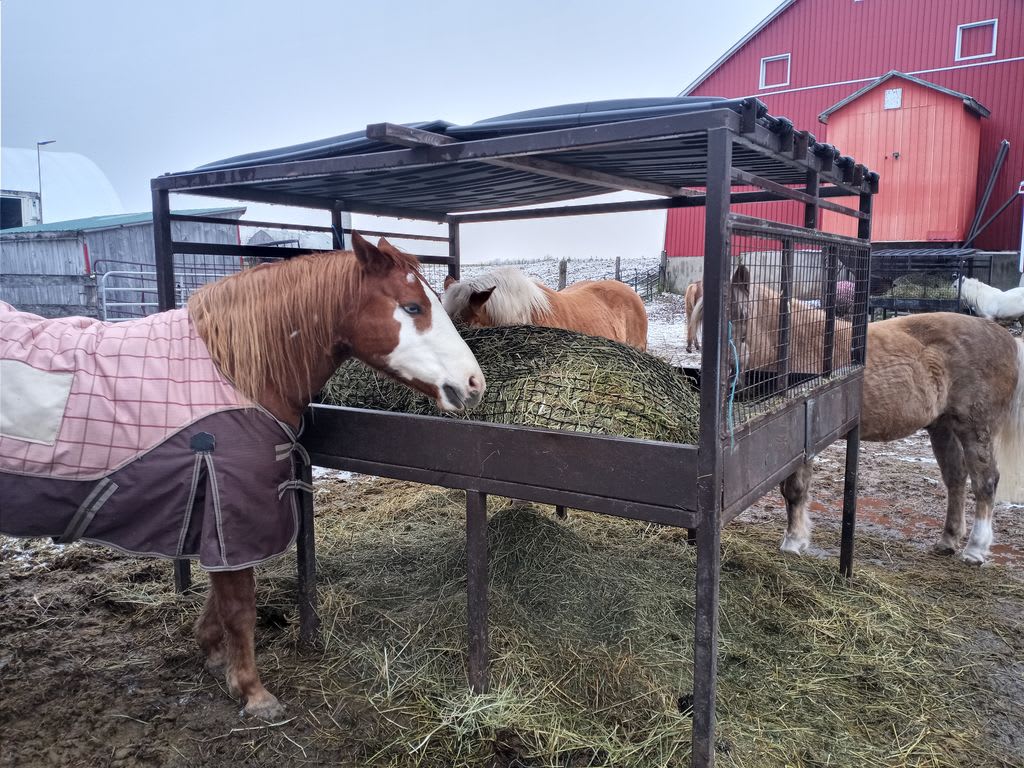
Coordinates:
[742,42]
[112,221]
[968,101]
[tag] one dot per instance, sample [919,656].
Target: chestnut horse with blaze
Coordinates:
[507,296]
[261,344]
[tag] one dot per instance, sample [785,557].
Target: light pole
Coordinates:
[39,171]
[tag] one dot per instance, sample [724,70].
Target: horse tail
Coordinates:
[1009,442]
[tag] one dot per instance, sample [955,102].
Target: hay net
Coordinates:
[552,378]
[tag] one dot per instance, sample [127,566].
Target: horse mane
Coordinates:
[268,327]
[518,299]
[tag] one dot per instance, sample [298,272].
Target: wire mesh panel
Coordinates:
[923,279]
[792,305]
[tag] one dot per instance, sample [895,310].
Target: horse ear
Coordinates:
[449,282]
[385,247]
[478,298]
[741,278]
[369,257]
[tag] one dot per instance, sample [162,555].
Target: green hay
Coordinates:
[591,637]
[922,285]
[548,377]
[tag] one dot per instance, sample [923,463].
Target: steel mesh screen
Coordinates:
[792,305]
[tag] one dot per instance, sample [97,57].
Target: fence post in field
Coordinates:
[563,268]
[663,273]
[618,267]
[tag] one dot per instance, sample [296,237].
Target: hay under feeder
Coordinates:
[552,378]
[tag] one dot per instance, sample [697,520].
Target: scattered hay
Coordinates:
[549,377]
[591,633]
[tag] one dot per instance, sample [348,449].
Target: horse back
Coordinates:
[924,367]
[607,308]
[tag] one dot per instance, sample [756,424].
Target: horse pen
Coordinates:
[754,431]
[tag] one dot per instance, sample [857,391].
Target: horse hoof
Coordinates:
[943,549]
[973,558]
[793,546]
[266,708]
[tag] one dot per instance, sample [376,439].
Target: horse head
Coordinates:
[465,305]
[739,318]
[401,328]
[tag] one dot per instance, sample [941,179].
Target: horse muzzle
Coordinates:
[462,398]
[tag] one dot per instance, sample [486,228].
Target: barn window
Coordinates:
[976,40]
[774,71]
[10,212]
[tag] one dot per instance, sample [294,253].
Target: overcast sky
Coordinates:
[143,87]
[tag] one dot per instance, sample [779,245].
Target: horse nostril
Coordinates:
[474,383]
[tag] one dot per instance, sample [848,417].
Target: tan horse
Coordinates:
[694,295]
[960,378]
[755,321]
[507,296]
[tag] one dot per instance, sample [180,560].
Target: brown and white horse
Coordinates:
[960,378]
[507,296]
[276,333]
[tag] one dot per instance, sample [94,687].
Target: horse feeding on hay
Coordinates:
[164,436]
[508,296]
[960,378]
[986,301]
[694,295]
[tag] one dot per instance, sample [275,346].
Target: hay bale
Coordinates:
[921,285]
[549,377]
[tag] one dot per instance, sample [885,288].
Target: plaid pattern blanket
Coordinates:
[128,435]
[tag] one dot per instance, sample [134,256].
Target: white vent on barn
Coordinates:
[893,98]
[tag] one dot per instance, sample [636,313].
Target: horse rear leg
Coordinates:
[950,456]
[236,600]
[977,445]
[796,490]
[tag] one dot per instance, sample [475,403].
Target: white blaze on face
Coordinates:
[437,356]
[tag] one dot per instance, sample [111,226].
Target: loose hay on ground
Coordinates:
[549,377]
[592,635]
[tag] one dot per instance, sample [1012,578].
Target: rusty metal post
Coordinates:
[476,589]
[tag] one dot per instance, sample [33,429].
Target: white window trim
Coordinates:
[994,23]
[761,86]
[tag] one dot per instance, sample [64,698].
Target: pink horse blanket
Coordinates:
[128,435]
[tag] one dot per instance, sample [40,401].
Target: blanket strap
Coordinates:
[103,490]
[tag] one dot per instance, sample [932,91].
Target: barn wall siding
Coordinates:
[844,45]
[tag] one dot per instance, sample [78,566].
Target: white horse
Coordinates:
[986,301]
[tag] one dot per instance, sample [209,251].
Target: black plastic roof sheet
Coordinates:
[474,185]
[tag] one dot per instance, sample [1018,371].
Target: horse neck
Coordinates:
[278,332]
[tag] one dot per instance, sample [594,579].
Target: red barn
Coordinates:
[810,56]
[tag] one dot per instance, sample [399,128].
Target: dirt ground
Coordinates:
[91,675]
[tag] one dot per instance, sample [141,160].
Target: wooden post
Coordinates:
[663,274]
[563,271]
[618,267]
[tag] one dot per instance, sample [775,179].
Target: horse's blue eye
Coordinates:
[413,309]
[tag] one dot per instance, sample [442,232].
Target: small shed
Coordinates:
[924,140]
[103,266]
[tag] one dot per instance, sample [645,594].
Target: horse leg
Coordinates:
[236,600]
[209,632]
[950,456]
[796,490]
[977,444]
